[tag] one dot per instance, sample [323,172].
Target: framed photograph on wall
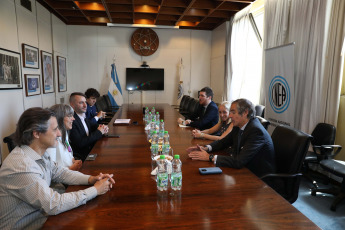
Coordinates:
[62,73]
[30,56]
[10,70]
[47,72]
[32,84]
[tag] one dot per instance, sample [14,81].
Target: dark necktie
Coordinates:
[239,140]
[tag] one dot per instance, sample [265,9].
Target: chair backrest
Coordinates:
[9,140]
[290,147]
[259,110]
[107,100]
[323,134]
[193,108]
[265,123]
[101,104]
[189,100]
[183,101]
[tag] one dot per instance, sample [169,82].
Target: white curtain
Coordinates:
[245,51]
[332,73]
[302,22]
[228,67]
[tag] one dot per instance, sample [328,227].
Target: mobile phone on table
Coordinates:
[210,170]
[91,157]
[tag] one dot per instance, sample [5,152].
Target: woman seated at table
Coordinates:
[222,128]
[63,154]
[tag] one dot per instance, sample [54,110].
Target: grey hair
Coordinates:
[33,119]
[62,111]
[245,105]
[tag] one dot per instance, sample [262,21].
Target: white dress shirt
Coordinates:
[26,200]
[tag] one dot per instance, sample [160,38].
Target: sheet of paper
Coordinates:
[122,121]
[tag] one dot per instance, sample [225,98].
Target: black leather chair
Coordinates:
[323,148]
[192,109]
[290,146]
[182,102]
[259,110]
[184,110]
[336,168]
[265,123]
[9,140]
[110,107]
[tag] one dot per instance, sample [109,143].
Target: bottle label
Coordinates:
[176,179]
[162,180]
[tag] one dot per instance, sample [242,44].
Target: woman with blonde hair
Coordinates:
[63,154]
[222,128]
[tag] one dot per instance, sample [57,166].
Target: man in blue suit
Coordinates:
[83,134]
[207,114]
[247,145]
[91,112]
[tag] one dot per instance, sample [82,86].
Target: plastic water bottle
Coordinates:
[152,127]
[176,173]
[149,118]
[166,143]
[161,132]
[154,145]
[153,110]
[162,174]
[157,118]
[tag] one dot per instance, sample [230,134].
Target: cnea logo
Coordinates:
[279,94]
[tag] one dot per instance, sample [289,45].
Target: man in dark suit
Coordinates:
[207,114]
[91,111]
[83,134]
[249,142]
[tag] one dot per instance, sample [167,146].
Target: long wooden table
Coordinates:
[235,199]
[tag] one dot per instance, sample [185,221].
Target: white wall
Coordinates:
[91,51]
[34,28]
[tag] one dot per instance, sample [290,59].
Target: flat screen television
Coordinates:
[144,79]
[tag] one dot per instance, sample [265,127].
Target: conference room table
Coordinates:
[235,199]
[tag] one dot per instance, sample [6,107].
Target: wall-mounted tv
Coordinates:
[144,79]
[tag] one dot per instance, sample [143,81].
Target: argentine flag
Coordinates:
[115,92]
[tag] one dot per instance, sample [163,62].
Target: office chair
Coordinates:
[265,123]
[110,107]
[9,140]
[323,148]
[184,110]
[338,169]
[290,146]
[182,102]
[259,110]
[192,109]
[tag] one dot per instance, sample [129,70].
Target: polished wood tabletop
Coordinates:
[235,199]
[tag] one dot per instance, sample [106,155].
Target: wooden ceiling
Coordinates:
[187,14]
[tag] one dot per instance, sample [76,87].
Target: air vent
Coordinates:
[26,4]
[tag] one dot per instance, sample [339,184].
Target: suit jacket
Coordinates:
[80,142]
[90,114]
[208,119]
[256,150]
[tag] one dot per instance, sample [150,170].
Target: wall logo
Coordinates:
[279,94]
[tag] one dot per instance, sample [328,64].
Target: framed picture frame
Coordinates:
[10,70]
[30,56]
[62,73]
[32,84]
[47,72]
